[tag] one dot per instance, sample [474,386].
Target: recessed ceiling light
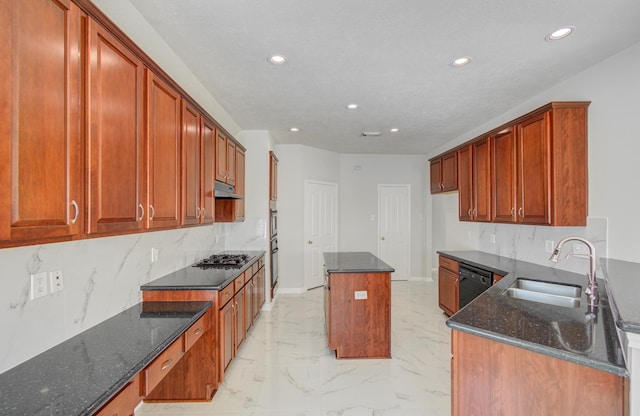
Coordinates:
[352,106]
[294,129]
[462,61]
[277,59]
[561,33]
[394,130]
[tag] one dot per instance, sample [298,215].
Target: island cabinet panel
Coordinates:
[115,143]
[41,120]
[195,376]
[493,378]
[359,314]
[163,127]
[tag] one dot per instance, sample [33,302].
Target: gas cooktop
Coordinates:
[223,261]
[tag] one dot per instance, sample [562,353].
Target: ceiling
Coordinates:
[391,57]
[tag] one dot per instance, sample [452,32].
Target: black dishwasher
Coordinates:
[473,281]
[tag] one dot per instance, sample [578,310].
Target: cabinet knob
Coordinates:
[75,217]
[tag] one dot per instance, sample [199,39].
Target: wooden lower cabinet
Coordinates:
[227,328]
[124,402]
[492,378]
[448,285]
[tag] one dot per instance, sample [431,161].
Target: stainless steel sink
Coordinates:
[558,294]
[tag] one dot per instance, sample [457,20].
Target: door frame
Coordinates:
[307,182]
[408,188]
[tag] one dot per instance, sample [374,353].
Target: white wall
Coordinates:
[613,87]
[358,201]
[298,163]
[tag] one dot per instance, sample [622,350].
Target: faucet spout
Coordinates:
[592,289]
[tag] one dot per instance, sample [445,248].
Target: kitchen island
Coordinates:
[357,301]
[517,357]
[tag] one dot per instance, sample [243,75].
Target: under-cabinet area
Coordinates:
[119,146]
[532,170]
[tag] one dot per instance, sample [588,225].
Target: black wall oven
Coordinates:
[473,281]
[273,220]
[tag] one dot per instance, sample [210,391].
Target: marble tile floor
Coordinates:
[285,368]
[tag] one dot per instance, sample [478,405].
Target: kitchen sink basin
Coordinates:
[558,294]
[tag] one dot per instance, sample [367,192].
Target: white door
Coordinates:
[320,228]
[394,228]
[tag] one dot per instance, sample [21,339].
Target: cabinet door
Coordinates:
[191,131]
[227,327]
[239,319]
[249,302]
[448,291]
[231,162]
[240,178]
[465,184]
[449,172]
[115,144]
[221,157]
[208,160]
[481,180]
[163,153]
[435,174]
[261,288]
[534,170]
[503,176]
[41,177]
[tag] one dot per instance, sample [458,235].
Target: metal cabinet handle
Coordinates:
[469,212]
[197,212]
[198,331]
[203,212]
[75,217]
[520,212]
[166,364]
[233,306]
[142,210]
[152,211]
[513,210]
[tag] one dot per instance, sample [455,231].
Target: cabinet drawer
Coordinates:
[193,334]
[161,366]
[449,264]
[239,283]
[226,294]
[124,402]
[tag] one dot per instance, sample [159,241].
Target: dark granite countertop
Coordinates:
[80,375]
[556,331]
[622,281]
[355,262]
[194,278]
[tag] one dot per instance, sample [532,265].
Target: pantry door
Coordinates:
[394,227]
[320,228]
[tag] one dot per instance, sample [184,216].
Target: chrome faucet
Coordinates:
[592,290]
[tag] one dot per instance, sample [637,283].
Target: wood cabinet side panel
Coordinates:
[361,328]
[490,377]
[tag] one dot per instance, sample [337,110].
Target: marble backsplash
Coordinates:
[527,243]
[102,277]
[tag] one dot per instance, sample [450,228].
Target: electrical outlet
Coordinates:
[154,255]
[549,246]
[57,282]
[39,285]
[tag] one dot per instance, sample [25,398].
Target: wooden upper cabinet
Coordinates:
[444,173]
[225,159]
[41,119]
[115,143]
[465,183]
[207,191]
[191,177]
[240,183]
[231,162]
[273,176]
[503,176]
[163,127]
[474,196]
[534,170]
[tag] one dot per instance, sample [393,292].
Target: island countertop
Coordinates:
[556,331]
[355,262]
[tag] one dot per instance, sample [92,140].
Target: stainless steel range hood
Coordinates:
[226,191]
